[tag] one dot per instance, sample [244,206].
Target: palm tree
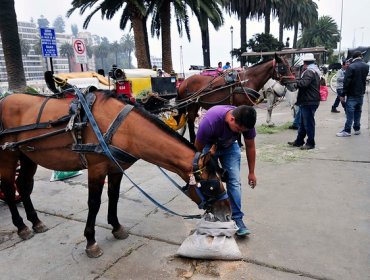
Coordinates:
[132,10]
[101,51]
[160,11]
[116,49]
[243,9]
[207,11]
[11,46]
[66,50]
[128,46]
[25,47]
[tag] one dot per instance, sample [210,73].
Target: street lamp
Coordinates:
[232,61]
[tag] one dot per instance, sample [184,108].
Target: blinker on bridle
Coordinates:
[209,190]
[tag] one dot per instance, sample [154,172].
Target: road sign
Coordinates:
[79,48]
[48,42]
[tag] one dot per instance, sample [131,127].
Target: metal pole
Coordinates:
[232,47]
[340,35]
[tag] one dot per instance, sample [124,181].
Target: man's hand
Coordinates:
[252,180]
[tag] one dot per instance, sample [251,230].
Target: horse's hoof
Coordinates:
[120,233]
[25,233]
[40,227]
[94,251]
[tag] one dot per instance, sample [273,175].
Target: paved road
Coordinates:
[309,215]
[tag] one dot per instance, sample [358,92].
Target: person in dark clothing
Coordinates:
[308,101]
[354,87]
[340,79]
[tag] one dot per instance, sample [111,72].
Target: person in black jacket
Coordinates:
[354,86]
[308,100]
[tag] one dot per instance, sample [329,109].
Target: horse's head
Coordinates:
[282,72]
[206,188]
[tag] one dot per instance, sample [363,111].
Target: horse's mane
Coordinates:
[147,115]
[261,62]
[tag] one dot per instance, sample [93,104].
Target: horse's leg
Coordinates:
[270,96]
[192,114]
[95,182]
[114,182]
[25,183]
[8,165]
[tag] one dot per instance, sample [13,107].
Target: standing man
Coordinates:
[354,87]
[308,100]
[222,125]
[340,79]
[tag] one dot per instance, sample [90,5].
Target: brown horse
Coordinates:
[33,130]
[235,88]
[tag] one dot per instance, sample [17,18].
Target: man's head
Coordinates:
[244,117]
[308,58]
[228,63]
[357,54]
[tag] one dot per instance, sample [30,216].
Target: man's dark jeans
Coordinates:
[337,100]
[307,127]
[353,112]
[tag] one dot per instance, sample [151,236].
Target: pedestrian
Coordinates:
[219,68]
[221,125]
[324,91]
[354,86]
[340,79]
[308,100]
[226,66]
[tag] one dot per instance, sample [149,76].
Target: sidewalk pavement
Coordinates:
[309,216]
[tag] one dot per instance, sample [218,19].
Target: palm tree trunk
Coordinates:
[139,38]
[281,32]
[166,36]
[11,46]
[267,17]
[295,38]
[204,30]
[243,37]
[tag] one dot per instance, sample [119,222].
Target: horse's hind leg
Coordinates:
[270,96]
[8,165]
[25,183]
[95,182]
[114,182]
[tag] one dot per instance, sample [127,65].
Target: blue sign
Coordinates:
[48,42]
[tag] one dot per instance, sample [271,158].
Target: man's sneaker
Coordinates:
[343,134]
[357,132]
[242,228]
[294,144]
[334,110]
[307,147]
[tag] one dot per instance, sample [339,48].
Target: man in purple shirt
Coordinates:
[222,125]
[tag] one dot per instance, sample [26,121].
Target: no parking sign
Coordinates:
[79,48]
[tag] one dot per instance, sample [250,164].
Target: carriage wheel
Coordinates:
[333,83]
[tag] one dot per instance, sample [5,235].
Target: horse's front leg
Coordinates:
[95,186]
[192,114]
[270,97]
[24,184]
[114,183]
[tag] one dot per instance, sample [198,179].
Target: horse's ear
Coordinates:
[277,58]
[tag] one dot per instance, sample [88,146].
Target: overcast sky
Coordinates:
[355,28]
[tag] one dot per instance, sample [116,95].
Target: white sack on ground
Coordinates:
[211,240]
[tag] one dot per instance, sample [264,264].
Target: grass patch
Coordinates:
[265,129]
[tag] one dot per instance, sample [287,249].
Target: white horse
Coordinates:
[274,92]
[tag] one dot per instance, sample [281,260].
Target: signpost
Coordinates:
[79,48]
[49,44]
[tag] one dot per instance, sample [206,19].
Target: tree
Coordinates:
[25,47]
[42,22]
[66,50]
[116,48]
[207,11]
[243,9]
[101,51]
[132,10]
[74,29]
[128,46]
[59,25]
[11,46]
[263,43]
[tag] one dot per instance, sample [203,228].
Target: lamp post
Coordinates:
[340,34]
[232,60]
